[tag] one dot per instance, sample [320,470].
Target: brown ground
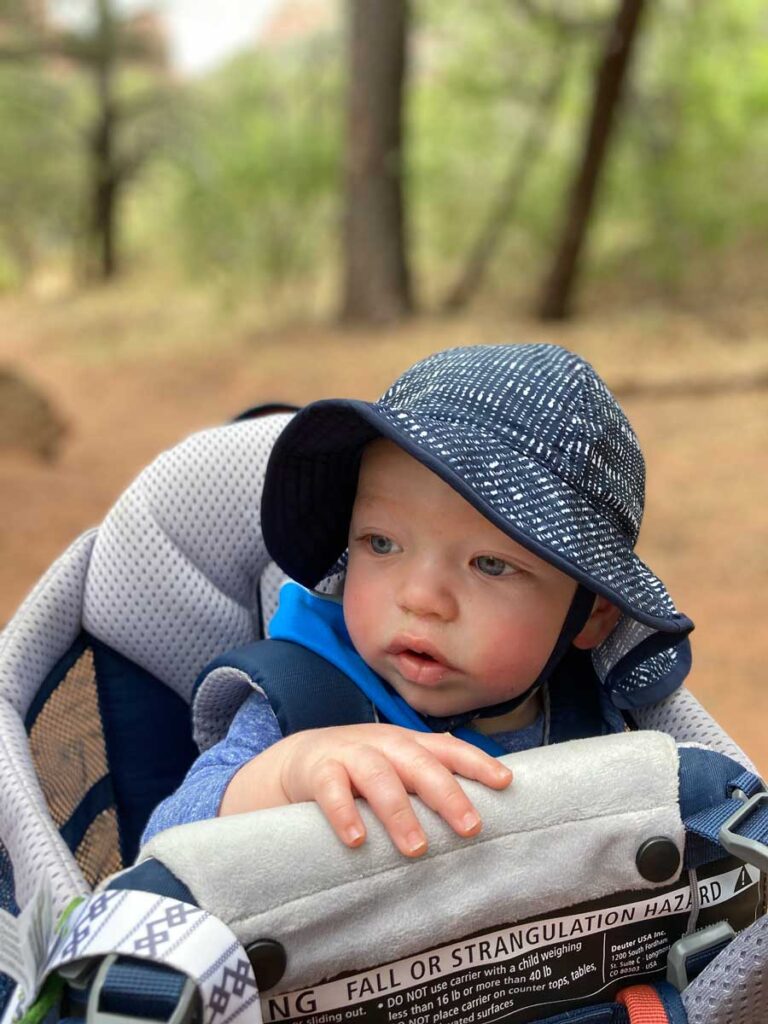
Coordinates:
[132,372]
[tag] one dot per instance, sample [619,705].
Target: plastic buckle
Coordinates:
[691,945]
[183,1013]
[750,850]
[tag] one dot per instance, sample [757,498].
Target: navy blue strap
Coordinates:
[708,825]
[672,1002]
[710,784]
[615,1013]
[605,1013]
[139,989]
[304,689]
[152,875]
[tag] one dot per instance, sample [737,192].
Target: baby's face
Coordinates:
[449,610]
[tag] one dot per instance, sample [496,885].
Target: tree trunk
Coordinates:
[102,257]
[377,285]
[104,198]
[557,294]
[506,201]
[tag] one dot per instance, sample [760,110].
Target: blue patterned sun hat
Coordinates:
[532,438]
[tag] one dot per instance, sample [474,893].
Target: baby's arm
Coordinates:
[253,728]
[383,764]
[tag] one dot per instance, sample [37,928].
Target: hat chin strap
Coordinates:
[575,620]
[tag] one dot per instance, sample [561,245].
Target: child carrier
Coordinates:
[619,879]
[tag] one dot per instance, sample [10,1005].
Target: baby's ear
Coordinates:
[601,621]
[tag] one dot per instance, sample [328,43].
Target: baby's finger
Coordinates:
[332,790]
[425,775]
[376,779]
[466,760]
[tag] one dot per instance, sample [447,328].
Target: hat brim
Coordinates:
[310,488]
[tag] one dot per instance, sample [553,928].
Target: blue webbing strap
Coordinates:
[605,1013]
[712,790]
[139,989]
[696,963]
[616,1013]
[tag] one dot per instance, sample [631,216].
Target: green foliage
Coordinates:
[244,187]
[477,89]
[258,178]
[83,108]
[688,175]
[40,170]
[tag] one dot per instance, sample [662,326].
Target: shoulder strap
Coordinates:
[305,690]
[578,706]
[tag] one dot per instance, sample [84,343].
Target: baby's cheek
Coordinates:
[359,617]
[510,659]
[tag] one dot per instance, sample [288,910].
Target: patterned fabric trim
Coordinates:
[159,930]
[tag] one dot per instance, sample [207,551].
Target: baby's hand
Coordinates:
[383,764]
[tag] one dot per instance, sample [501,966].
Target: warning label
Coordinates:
[519,971]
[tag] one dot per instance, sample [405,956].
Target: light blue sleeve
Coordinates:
[253,729]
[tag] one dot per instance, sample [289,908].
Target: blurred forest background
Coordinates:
[358,183]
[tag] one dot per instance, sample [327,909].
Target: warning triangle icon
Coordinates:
[743,880]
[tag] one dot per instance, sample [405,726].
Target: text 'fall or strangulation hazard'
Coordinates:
[513,972]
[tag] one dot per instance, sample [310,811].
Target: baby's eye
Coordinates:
[381,545]
[490,566]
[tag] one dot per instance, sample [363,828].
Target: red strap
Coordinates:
[643,1004]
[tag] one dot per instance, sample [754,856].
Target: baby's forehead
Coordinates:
[393,483]
[383,460]
[388,472]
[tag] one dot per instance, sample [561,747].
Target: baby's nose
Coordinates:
[427,594]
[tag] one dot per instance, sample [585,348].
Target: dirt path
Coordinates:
[132,376]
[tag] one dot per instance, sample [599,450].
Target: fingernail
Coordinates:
[354,835]
[415,842]
[470,822]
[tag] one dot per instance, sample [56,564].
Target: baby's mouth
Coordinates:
[421,655]
[418,662]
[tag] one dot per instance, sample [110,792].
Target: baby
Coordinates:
[484,514]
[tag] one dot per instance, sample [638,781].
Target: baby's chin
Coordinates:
[432,703]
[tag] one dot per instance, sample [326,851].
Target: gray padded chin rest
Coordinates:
[341,910]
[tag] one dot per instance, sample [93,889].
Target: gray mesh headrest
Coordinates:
[174,575]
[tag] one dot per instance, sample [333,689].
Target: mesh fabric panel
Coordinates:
[39,635]
[26,827]
[8,903]
[627,634]
[67,745]
[734,988]
[175,572]
[683,717]
[98,853]
[66,741]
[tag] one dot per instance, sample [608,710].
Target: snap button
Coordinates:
[268,961]
[658,859]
